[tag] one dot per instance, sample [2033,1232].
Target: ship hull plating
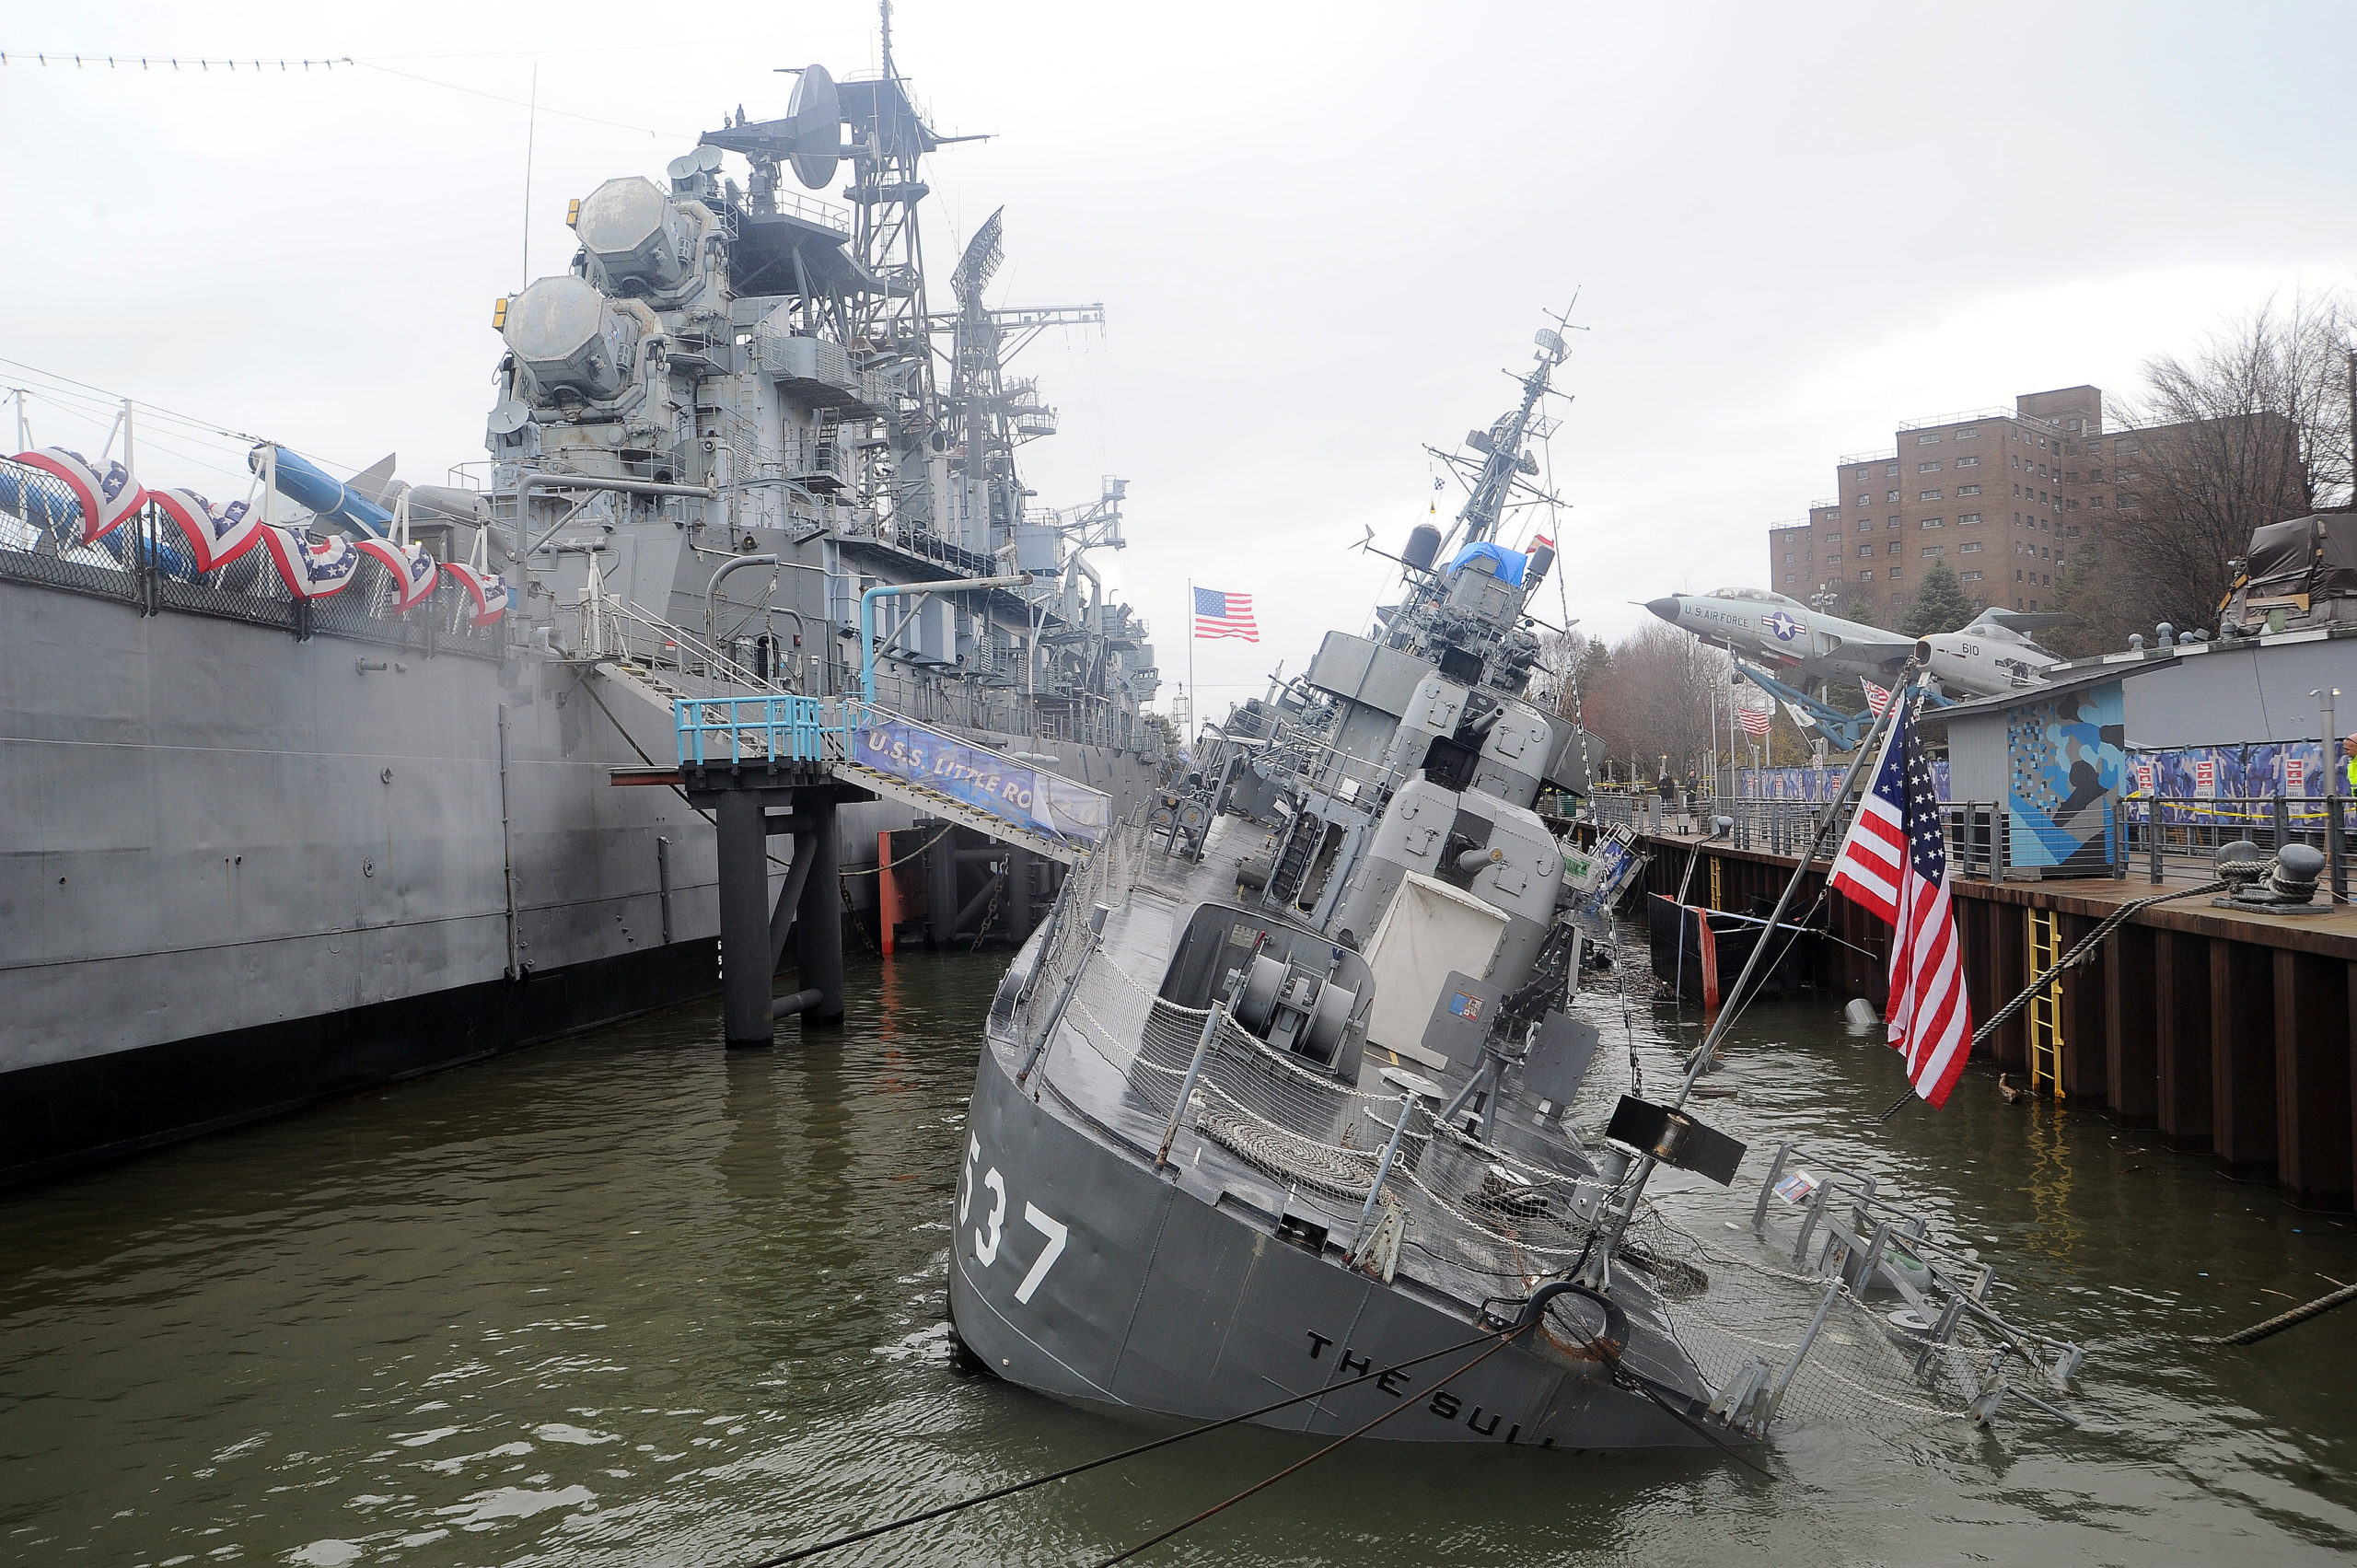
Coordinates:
[81,1108]
[1154,1301]
[240,874]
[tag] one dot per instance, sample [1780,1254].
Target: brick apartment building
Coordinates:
[2003,497]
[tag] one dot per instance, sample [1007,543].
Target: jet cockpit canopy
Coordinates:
[1757,595]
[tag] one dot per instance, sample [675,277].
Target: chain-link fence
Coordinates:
[141,563]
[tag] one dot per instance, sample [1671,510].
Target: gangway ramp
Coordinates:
[778,763]
[897,758]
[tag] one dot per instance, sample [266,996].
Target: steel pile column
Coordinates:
[819,924]
[744,961]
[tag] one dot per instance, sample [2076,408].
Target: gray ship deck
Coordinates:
[1120,1053]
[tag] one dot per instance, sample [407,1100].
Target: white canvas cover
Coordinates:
[1430,929]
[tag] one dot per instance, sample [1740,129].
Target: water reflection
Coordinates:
[638,1299]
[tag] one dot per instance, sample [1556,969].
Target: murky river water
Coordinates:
[635,1299]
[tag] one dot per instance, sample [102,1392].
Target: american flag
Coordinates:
[1221,614]
[1877,698]
[1894,862]
[1755,721]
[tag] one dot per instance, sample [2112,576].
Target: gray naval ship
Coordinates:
[1281,1097]
[312,783]
[1282,1115]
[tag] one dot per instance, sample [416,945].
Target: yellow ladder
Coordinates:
[2046,1008]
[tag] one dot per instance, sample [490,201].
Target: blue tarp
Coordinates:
[1506,567]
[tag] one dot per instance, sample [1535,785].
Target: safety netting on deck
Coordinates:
[1740,1304]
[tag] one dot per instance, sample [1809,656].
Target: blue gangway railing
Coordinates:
[760,729]
[723,731]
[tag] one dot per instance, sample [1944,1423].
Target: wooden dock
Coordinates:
[2228,1032]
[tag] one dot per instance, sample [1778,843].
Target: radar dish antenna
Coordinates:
[817,114]
[1550,343]
[984,253]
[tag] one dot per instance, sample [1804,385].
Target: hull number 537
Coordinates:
[990,1228]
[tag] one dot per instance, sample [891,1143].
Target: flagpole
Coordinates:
[1869,747]
[1193,696]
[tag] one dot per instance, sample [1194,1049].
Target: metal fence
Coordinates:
[441,625]
[1974,830]
[2197,828]
[2148,835]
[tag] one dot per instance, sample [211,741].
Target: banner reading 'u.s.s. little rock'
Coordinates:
[1042,802]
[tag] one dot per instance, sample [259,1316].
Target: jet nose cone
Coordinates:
[1665,607]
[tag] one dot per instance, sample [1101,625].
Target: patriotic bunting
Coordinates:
[311,571]
[106,498]
[414,571]
[491,593]
[215,535]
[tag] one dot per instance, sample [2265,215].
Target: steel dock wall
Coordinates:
[2228,1033]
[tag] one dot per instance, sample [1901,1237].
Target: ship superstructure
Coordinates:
[735,373]
[315,787]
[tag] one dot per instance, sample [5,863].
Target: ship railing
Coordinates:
[1306,760]
[1846,1232]
[613,627]
[793,204]
[778,727]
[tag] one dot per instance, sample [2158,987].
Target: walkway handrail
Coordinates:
[843,731]
[774,727]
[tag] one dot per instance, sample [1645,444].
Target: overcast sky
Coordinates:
[1319,234]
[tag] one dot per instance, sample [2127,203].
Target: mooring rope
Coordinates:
[2283,1320]
[1504,1338]
[946,1509]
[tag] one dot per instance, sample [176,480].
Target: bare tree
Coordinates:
[2252,429]
[1651,698]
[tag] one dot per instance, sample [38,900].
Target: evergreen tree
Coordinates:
[1940,605]
[2102,613]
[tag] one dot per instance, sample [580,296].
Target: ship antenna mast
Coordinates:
[1505,463]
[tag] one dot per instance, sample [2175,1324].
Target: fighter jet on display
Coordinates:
[1992,655]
